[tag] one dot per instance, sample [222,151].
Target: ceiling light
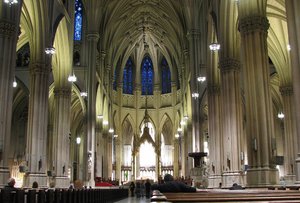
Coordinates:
[100,116]
[105,122]
[78,140]
[11,2]
[280,115]
[289,47]
[72,78]
[50,50]
[15,84]
[195,95]
[111,130]
[83,94]
[201,79]
[214,47]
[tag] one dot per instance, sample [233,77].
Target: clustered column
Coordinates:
[293,16]
[61,137]
[9,31]
[259,114]
[232,118]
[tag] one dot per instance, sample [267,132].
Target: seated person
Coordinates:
[172,186]
[236,187]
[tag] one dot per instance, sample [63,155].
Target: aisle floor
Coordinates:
[134,200]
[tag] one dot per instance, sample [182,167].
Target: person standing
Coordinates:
[131,187]
[147,188]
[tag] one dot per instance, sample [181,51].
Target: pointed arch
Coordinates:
[147,75]
[165,77]
[128,77]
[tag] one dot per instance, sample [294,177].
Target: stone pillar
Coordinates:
[9,30]
[92,39]
[232,121]
[293,16]
[176,158]
[99,153]
[61,136]
[194,62]
[259,113]
[290,151]
[118,156]
[106,155]
[109,156]
[37,125]
[214,129]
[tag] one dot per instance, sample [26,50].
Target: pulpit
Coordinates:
[198,172]
[197,158]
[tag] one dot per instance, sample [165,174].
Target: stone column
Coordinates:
[109,156]
[259,113]
[92,39]
[232,121]
[61,136]
[176,158]
[293,16]
[214,129]
[9,30]
[99,152]
[37,125]
[194,63]
[106,155]
[118,155]
[290,145]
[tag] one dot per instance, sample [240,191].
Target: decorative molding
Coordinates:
[193,34]
[213,89]
[286,90]
[93,36]
[39,68]
[229,64]
[65,92]
[254,23]
[7,28]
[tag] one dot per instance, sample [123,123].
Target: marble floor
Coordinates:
[134,200]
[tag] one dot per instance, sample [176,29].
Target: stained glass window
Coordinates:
[165,77]
[147,76]
[78,20]
[127,78]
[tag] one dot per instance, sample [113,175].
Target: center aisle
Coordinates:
[134,200]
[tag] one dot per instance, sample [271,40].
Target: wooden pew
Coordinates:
[230,196]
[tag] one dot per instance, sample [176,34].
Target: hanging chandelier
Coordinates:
[11,2]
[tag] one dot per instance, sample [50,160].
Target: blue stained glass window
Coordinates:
[78,20]
[165,77]
[147,76]
[127,78]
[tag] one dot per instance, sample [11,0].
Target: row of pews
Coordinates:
[63,196]
[211,195]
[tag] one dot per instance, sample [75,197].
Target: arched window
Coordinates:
[127,78]
[165,77]
[147,76]
[78,20]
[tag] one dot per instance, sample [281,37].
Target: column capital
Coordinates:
[229,64]
[254,23]
[64,92]
[39,68]
[213,89]
[7,28]
[286,90]
[93,36]
[193,34]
